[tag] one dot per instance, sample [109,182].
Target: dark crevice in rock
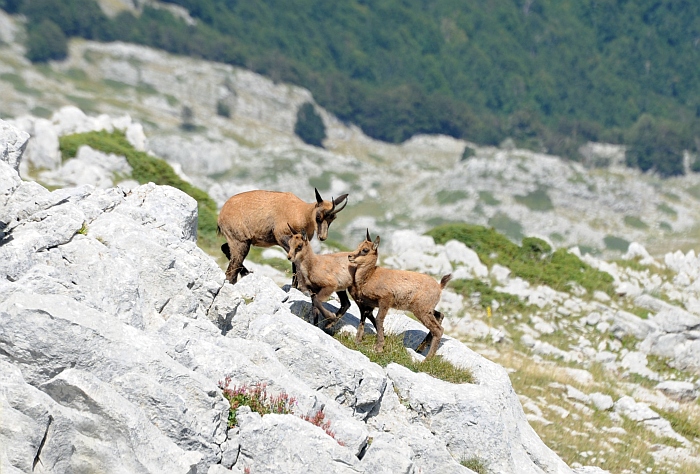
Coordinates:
[160,310]
[214,299]
[41,445]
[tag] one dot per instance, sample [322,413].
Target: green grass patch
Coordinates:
[537,200]
[533,261]
[616,243]
[18,83]
[681,423]
[42,112]
[116,85]
[635,222]
[556,237]
[450,197]
[394,351]
[506,301]
[672,197]
[476,465]
[694,191]
[508,226]
[149,169]
[323,181]
[666,209]
[665,226]
[83,103]
[487,198]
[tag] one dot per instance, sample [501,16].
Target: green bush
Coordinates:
[46,42]
[309,125]
[534,261]
[145,169]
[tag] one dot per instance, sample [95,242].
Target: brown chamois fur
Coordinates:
[264,219]
[321,275]
[384,288]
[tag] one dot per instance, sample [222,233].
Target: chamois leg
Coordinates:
[436,333]
[237,252]
[295,281]
[379,346]
[328,318]
[344,304]
[365,312]
[429,337]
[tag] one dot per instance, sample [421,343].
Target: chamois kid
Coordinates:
[264,218]
[321,275]
[384,288]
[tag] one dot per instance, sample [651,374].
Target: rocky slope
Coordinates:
[116,329]
[413,185]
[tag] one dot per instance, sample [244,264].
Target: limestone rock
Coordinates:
[679,391]
[88,167]
[319,453]
[12,144]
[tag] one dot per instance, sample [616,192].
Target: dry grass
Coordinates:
[581,436]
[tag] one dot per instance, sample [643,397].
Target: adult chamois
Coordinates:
[384,288]
[264,218]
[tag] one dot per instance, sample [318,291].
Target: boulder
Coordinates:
[679,391]
[318,453]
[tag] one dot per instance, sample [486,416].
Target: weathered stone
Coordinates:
[601,401]
[12,144]
[319,453]
[473,423]
[679,391]
[88,167]
[388,455]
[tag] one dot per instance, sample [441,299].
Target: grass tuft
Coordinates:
[476,465]
[394,351]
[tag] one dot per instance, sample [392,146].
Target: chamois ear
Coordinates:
[304,236]
[368,238]
[319,199]
[291,229]
[376,243]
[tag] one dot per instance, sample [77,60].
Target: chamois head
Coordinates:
[366,252]
[325,213]
[296,243]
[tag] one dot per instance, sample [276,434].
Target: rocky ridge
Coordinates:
[117,328]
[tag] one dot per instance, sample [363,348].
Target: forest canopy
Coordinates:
[551,74]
